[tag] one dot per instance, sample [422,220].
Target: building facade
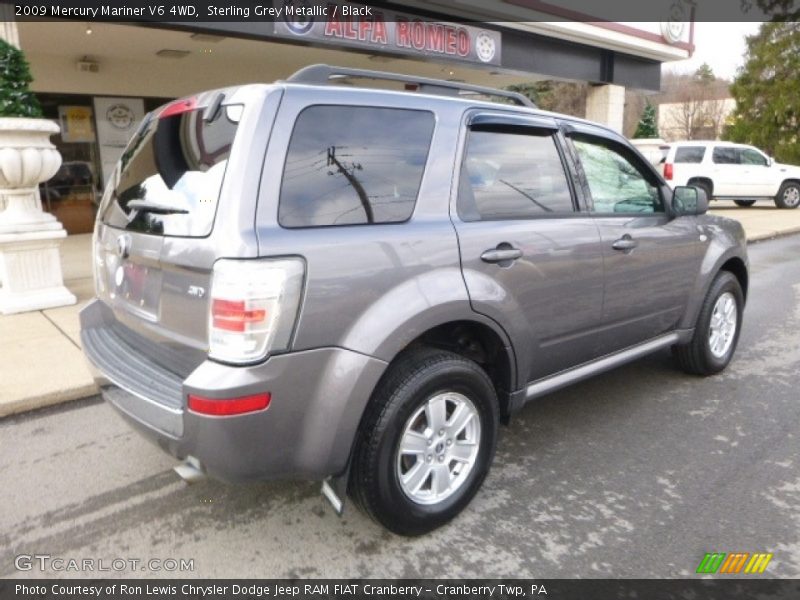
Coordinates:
[98,79]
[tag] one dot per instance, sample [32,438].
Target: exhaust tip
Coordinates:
[190,470]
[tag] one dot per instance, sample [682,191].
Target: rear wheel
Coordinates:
[716,332]
[789,195]
[426,443]
[744,203]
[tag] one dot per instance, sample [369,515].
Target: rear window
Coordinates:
[169,177]
[690,154]
[350,165]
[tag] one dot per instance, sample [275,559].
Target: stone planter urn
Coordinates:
[30,264]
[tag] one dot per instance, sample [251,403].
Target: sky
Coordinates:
[721,45]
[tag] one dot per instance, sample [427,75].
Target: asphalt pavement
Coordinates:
[636,473]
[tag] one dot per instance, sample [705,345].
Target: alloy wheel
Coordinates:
[439,448]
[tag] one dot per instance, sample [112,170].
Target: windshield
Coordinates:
[169,177]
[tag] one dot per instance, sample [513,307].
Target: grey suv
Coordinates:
[356,285]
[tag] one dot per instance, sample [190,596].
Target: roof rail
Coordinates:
[322,74]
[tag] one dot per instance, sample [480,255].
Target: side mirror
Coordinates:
[770,161]
[687,200]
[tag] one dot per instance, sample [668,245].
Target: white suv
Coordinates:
[737,172]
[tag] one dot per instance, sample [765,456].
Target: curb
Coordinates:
[773,235]
[31,403]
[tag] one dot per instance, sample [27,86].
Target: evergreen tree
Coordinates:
[16,99]
[647,127]
[704,74]
[767,92]
[564,97]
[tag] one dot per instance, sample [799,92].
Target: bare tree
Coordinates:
[693,106]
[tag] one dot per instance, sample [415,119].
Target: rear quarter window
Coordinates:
[690,154]
[351,165]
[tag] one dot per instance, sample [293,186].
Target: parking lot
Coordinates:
[636,473]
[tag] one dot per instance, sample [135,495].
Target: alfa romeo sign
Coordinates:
[362,26]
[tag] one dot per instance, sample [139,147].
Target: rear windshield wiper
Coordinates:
[154,207]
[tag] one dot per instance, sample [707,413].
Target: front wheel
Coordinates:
[426,442]
[716,332]
[744,203]
[789,195]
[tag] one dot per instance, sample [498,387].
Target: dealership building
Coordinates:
[97,79]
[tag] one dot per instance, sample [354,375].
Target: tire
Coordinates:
[700,356]
[789,195]
[401,408]
[703,186]
[744,203]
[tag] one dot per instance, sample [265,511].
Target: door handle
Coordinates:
[626,242]
[498,255]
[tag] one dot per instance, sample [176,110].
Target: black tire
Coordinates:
[702,185]
[789,195]
[414,378]
[696,357]
[744,203]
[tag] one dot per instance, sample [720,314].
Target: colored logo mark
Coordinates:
[734,562]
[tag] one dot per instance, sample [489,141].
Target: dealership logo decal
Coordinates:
[120,116]
[297,17]
[485,47]
[734,563]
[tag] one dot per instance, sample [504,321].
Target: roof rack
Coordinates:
[322,74]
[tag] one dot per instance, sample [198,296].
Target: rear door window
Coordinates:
[169,177]
[725,155]
[512,174]
[690,154]
[351,165]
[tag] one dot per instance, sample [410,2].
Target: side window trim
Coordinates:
[488,120]
[579,183]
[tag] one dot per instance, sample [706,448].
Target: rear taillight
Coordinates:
[668,171]
[235,315]
[221,407]
[253,308]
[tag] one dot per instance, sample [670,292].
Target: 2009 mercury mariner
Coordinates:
[356,285]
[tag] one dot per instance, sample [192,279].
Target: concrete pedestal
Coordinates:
[30,271]
[30,264]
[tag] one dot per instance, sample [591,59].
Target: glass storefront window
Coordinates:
[74,193]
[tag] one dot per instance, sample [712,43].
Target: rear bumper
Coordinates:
[318,397]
